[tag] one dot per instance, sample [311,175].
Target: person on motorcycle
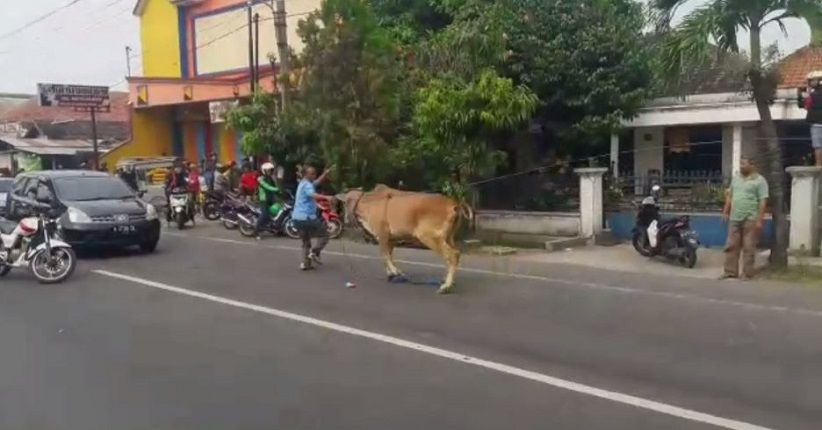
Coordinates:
[175,179]
[268,194]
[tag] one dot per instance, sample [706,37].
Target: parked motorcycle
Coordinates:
[213,204]
[279,224]
[675,240]
[34,242]
[230,208]
[181,206]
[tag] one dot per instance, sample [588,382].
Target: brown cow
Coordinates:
[391,215]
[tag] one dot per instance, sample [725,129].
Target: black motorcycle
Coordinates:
[675,240]
[212,205]
[230,209]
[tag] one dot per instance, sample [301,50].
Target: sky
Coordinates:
[84,42]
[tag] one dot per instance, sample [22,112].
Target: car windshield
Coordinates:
[91,188]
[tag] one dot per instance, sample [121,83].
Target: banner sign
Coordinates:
[218,110]
[76,96]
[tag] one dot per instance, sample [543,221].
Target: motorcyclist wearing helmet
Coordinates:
[268,194]
[176,178]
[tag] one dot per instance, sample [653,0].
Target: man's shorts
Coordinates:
[816,136]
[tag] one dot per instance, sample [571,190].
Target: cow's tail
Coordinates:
[467,212]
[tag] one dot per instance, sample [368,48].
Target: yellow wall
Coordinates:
[159,37]
[152,136]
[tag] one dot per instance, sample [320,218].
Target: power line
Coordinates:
[39,19]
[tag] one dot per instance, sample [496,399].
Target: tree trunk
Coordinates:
[770,152]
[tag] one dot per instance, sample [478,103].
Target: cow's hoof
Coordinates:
[445,289]
[397,278]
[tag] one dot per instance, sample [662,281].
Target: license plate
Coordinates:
[125,229]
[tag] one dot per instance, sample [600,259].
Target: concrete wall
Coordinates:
[152,136]
[537,223]
[648,149]
[710,228]
[159,39]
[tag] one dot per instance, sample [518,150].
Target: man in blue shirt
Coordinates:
[305,216]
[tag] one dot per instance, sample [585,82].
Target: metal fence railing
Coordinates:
[687,191]
[537,191]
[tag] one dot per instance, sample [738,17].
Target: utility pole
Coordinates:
[251,77]
[281,36]
[128,61]
[94,139]
[257,49]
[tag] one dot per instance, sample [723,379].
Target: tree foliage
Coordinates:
[454,124]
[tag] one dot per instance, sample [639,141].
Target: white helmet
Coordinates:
[267,167]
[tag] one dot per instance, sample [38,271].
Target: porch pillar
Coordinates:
[805,188]
[736,151]
[615,155]
[590,200]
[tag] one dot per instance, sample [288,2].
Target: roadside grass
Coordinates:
[801,274]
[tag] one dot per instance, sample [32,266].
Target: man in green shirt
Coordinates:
[745,204]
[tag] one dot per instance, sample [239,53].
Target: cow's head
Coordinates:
[350,199]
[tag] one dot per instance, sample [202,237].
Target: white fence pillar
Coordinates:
[736,151]
[590,200]
[805,189]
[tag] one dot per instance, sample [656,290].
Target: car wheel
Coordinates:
[148,247]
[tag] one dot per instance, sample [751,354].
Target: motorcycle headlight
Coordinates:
[77,216]
[151,212]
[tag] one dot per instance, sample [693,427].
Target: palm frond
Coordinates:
[707,29]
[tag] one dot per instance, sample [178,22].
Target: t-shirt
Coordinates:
[305,208]
[746,195]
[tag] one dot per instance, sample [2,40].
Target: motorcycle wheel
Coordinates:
[211,211]
[641,244]
[230,224]
[181,220]
[334,228]
[689,258]
[291,229]
[54,268]
[247,229]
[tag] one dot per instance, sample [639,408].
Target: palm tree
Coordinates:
[715,25]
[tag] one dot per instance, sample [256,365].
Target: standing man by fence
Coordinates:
[811,99]
[745,204]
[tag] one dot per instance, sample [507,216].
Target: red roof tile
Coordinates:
[794,68]
[32,111]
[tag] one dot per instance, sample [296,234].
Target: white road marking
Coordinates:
[613,396]
[547,279]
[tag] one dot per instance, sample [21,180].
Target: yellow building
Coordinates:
[195,56]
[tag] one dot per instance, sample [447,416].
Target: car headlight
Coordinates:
[77,216]
[151,212]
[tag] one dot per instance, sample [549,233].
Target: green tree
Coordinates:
[455,124]
[717,25]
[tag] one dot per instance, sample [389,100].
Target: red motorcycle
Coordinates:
[333,223]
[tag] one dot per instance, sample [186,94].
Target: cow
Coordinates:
[389,216]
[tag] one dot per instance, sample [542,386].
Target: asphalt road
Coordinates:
[217,332]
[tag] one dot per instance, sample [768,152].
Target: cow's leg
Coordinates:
[387,253]
[452,259]
[440,246]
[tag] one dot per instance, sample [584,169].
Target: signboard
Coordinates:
[76,96]
[218,110]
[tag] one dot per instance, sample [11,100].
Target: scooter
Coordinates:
[181,207]
[673,238]
[34,242]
